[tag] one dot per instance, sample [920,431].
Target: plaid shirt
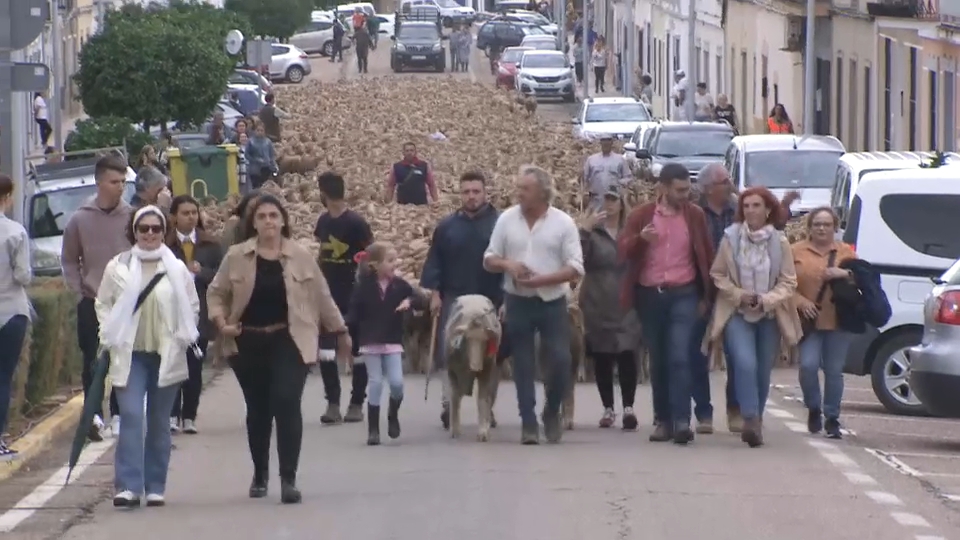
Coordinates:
[718,222]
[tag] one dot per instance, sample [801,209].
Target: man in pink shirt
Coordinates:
[667,248]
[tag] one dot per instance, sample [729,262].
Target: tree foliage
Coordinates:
[107,131]
[273,18]
[153,65]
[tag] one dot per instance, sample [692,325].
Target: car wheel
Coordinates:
[327,49]
[295,74]
[890,372]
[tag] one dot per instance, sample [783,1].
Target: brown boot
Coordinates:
[734,420]
[752,432]
[661,433]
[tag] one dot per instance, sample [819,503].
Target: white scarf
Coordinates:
[753,262]
[119,330]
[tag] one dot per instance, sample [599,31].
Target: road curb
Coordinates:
[38,438]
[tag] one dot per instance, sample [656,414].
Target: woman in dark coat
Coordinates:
[612,334]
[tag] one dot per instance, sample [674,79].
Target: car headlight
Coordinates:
[437,46]
[44,260]
[401,47]
[567,75]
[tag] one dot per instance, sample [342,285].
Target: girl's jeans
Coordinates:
[11,344]
[753,348]
[826,349]
[378,366]
[142,459]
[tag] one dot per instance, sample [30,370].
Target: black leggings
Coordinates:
[188,397]
[626,371]
[271,375]
[598,73]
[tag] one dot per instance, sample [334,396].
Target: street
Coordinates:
[891,478]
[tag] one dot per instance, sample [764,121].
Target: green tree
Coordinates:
[156,65]
[106,132]
[273,18]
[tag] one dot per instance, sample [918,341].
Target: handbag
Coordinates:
[809,324]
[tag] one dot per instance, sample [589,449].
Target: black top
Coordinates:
[341,238]
[375,312]
[268,301]
[727,113]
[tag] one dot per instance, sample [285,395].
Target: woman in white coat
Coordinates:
[148,352]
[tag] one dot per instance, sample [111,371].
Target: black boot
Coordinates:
[373,425]
[393,422]
[289,494]
[258,488]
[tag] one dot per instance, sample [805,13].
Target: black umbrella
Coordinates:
[91,405]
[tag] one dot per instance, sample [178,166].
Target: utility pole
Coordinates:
[56,97]
[562,21]
[585,42]
[809,69]
[691,70]
[628,60]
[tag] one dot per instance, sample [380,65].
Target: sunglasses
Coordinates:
[155,229]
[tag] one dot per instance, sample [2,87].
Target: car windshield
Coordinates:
[544,61]
[418,33]
[792,169]
[534,18]
[684,143]
[540,45]
[616,112]
[50,211]
[448,3]
[512,56]
[532,30]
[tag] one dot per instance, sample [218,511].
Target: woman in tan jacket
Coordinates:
[268,300]
[755,279]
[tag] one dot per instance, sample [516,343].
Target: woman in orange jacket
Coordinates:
[779,121]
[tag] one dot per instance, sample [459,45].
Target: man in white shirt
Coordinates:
[703,104]
[604,169]
[678,95]
[537,246]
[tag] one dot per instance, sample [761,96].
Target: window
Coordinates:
[277,50]
[914,77]
[949,110]
[706,68]
[617,112]
[744,111]
[676,53]
[696,76]
[667,76]
[887,94]
[841,186]
[934,109]
[543,61]
[672,144]
[852,114]
[719,88]
[50,211]
[650,39]
[867,108]
[791,169]
[641,63]
[918,221]
[840,96]
[755,81]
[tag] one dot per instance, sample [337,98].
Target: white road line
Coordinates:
[938,475]
[928,537]
[840,459]
[882,497]
[909,520]
[793,398]
[779,413]
[795,426]
[925,456]
[42,494]
[821,444]
[900,418]
[893,462]
[954,498]
[859,478]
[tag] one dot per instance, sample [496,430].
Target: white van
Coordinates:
[451,12]
[903,223]
[783,163]
[853,165]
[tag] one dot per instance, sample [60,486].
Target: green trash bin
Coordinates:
[205,171]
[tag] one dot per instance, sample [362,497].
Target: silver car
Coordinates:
[935,363]
[317,37]
[545,74]
[288,63]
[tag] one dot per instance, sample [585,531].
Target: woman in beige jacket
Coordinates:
[755,279]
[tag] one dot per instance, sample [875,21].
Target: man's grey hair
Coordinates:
[543,178]
[710,173]
[148,178]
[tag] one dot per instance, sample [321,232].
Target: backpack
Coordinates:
[863,301]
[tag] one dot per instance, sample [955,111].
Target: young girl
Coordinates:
[376,308]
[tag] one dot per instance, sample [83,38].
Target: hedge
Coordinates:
[51,357]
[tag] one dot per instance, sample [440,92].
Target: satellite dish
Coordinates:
[234,42]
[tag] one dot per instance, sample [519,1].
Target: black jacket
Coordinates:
[375,315]
[209,254]
[454,264]
[862,303]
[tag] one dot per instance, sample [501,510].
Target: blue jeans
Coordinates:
[700,372]
[142,459]
[826,349]
[11,345]
[753,349]
[525,317]
[378,366]
[667,319]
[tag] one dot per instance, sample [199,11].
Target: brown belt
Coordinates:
[264,329]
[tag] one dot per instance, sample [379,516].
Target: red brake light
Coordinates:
[948,308]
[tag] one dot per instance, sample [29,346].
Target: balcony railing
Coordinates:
[926,10]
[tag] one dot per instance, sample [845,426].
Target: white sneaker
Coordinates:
[174,425]
[96,429]
[155,499]
[189,426]
[125,499]
[115,426]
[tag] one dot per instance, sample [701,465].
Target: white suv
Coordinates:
[451,12]
[616,116]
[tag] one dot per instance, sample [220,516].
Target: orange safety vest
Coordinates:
[358,20]
[776,128]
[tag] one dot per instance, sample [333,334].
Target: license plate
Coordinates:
[419,57]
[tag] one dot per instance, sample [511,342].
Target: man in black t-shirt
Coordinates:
[342,234]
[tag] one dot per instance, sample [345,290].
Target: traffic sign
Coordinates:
[27,77]
[21,22]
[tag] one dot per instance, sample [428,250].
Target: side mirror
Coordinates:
[629,147]
[574,120]
[643,153]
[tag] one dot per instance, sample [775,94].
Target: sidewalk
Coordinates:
[66,125]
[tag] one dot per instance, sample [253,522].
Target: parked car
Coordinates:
[531,17]
[249,76]
[504,34]
[693,144]
[317,38]
[935,363]
[288,63]
[545,42]
[451,12]
[616,116]
[417,44]
[250,98]
[640,139]
[545,74]
[507,66]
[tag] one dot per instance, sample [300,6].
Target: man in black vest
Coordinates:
[411,179]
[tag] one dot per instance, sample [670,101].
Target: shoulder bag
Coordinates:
[809,324]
